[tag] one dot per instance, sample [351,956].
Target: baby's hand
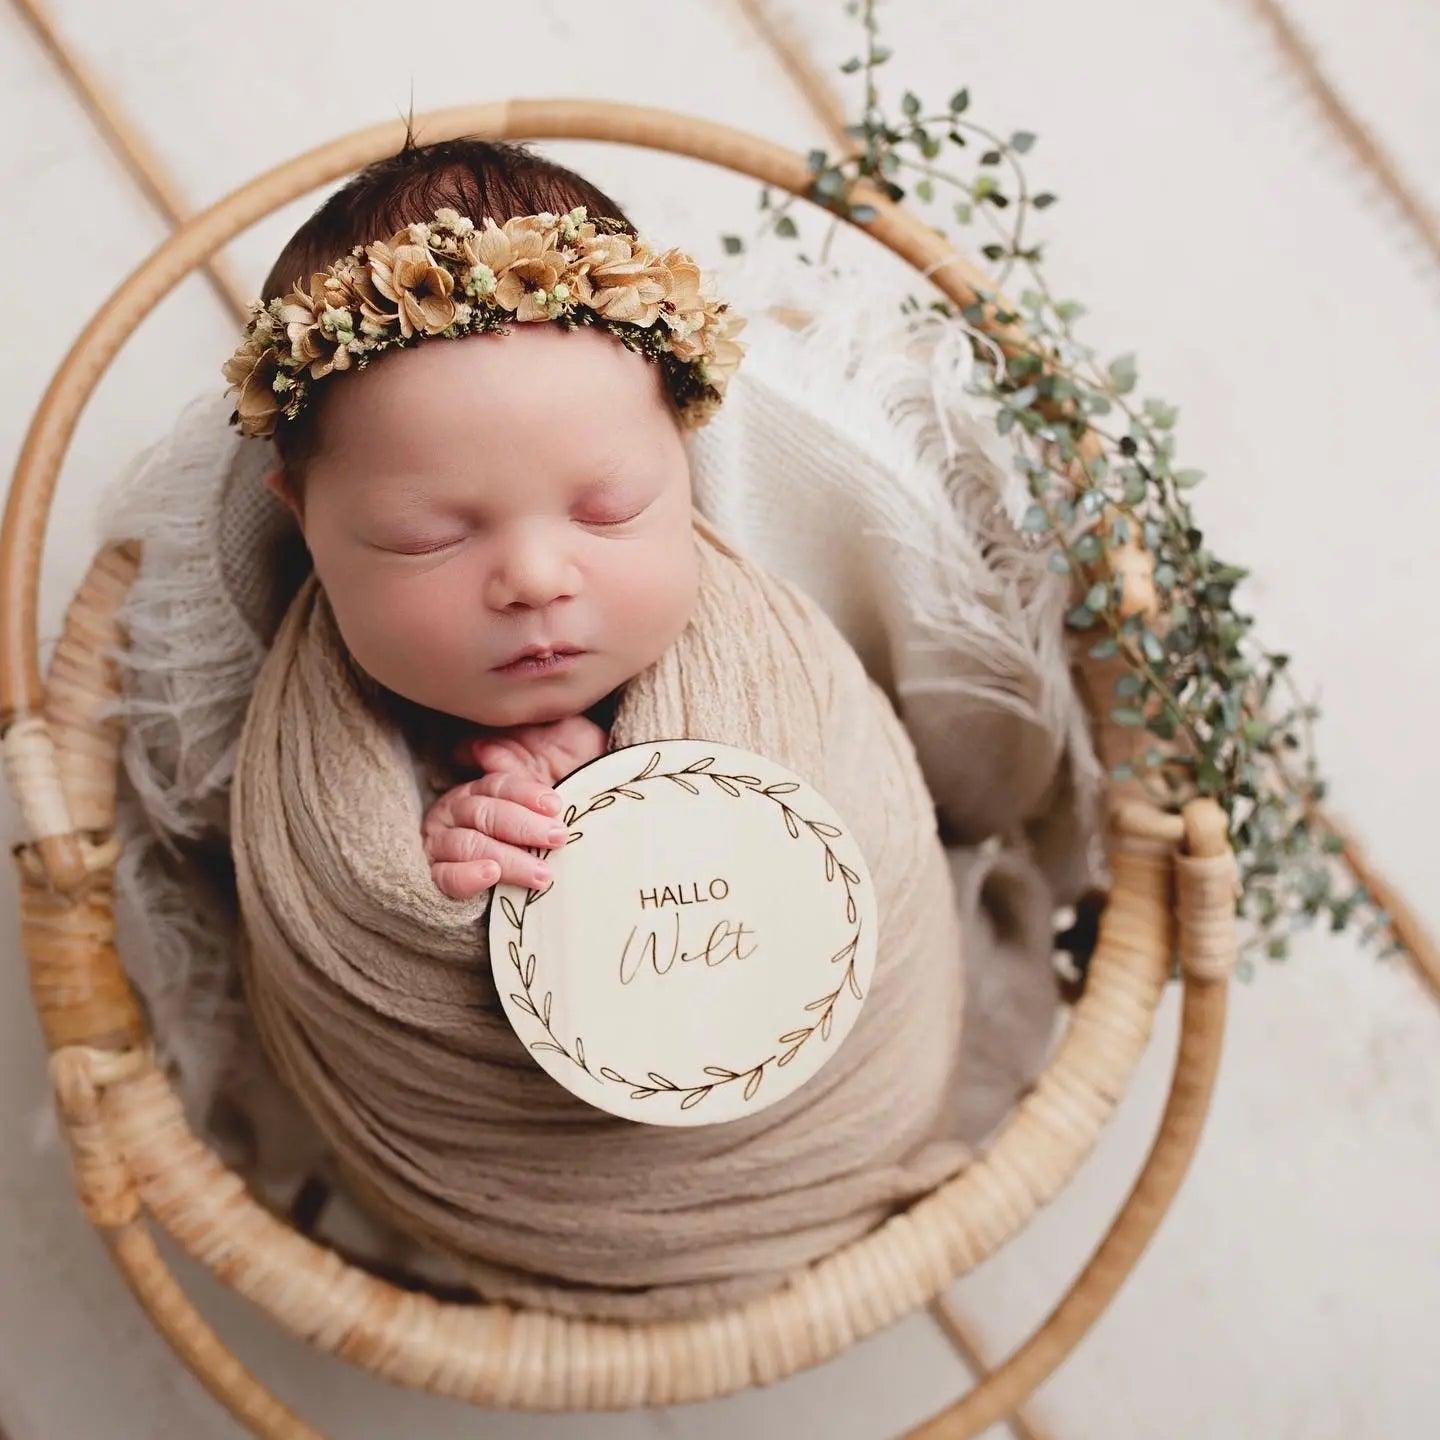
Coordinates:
[466,829]
[474,834]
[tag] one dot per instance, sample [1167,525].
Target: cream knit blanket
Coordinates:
[373,994]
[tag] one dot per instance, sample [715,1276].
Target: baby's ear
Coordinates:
[278,483]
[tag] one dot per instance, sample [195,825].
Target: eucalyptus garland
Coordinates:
[1234,724]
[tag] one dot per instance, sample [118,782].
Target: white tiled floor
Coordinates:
[1210,224]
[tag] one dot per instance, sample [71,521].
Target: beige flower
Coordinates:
[626,281]
[407,274]
[251,370]
[319,333]
[348,287]
[516,265]
[723,355]
[684,309]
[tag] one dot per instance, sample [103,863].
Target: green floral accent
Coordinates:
[1100,464]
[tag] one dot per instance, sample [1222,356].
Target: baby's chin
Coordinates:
[536,702]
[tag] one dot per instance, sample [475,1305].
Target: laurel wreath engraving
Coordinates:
[791,1041]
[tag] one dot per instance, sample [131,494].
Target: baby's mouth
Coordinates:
[560,658]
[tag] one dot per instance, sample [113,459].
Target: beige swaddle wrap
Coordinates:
[372,990]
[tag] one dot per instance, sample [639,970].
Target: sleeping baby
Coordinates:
[505,539]
[503,528]
[507,558]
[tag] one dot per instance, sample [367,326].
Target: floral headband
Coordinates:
[446,277]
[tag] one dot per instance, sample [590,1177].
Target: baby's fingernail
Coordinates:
[550,801]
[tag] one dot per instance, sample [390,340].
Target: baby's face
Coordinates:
[470,497]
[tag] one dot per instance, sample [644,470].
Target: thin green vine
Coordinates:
[1101,472]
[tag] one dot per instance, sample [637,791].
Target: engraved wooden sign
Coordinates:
[705,941]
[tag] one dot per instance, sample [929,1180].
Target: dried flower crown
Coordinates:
[447,277]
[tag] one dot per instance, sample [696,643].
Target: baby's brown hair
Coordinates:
[498,178]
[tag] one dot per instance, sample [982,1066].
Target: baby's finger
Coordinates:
[507,820]
[472,858]
[527,789]
[464,879]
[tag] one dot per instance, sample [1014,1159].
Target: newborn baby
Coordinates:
[490,497]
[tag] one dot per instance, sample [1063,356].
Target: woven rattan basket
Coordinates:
[136,1164]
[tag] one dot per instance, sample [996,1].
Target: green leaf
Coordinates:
[1035,519]
[1044,200]
[959,101]
[1097,596]
[863,214]
[910,104]
[1161,415]
[733,244]
[1122,373]
[1127,715]
[851,65]
[1022,140]
[786,226]
[1188,479]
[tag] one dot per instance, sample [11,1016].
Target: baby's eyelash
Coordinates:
[599,524]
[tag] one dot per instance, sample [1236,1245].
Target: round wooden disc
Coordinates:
[705,941]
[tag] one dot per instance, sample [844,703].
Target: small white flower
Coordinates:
[480,280]
[336,320]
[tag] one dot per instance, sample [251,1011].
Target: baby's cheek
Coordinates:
[653,596]
[406,636]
